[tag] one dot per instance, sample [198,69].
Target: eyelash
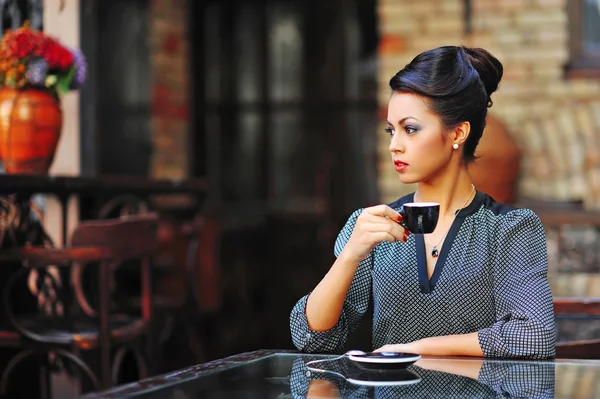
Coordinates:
[391,131]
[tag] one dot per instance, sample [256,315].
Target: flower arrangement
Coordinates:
[32,59]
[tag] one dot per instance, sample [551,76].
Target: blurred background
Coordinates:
[273,112]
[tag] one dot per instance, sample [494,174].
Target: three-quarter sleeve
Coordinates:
[524,326]
[355,305]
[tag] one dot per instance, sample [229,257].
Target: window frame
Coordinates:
[581,63]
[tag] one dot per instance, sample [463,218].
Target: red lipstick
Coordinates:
[400,166]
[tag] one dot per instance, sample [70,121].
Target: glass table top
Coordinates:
[269,374]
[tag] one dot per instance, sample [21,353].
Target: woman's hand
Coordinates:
[374,225]
[447,345]
[401,348]
[470,369]
[323,389]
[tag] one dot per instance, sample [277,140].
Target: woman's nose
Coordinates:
[396,144]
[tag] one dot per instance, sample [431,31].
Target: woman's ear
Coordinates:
[460,133]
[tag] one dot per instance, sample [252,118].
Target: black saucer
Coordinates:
[388,378]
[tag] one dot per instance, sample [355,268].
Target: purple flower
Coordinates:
[80,65]
[36,73]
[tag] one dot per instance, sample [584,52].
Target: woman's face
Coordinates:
[419,144]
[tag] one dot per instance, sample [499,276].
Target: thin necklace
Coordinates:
[434,248]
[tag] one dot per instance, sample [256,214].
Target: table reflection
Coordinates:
[279,374]
[439,378]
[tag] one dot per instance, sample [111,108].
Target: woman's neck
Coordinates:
[451,191]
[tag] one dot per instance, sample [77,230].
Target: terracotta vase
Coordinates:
[496,172]
[30,126]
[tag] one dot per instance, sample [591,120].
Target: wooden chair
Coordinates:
[106,243]
[578,306]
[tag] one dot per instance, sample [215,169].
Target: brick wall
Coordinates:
[170,87]
[550,117]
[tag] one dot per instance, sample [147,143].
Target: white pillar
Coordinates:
[64,25]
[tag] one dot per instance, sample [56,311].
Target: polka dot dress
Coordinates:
[490,278]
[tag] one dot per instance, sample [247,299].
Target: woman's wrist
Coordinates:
[349,259]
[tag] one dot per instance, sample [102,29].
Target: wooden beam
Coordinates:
[589,306]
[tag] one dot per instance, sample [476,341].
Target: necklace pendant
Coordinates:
[434,252]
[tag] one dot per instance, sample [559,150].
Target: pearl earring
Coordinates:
[455,146]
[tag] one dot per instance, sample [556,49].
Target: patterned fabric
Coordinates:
[497,379]
[490,278]
[527,380]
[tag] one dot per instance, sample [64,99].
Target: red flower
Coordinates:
[25,42]
[57,56]
[22,43]
[23,50]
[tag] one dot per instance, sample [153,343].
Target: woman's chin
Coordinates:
[407,179]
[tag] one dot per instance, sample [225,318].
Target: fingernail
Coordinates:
[400,218]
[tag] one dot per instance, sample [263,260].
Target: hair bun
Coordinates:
[488,67]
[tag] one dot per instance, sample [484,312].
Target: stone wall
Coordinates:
[170,80]
[548,114]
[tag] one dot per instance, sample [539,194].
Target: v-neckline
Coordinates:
[426,284]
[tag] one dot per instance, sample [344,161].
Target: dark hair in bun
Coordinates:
[458,83]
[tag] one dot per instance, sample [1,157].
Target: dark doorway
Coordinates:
[284,121]
[115,101]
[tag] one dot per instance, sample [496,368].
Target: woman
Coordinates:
[476,286]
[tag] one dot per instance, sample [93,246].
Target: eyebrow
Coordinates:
[403,120]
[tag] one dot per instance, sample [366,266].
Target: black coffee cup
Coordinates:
[420,217]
